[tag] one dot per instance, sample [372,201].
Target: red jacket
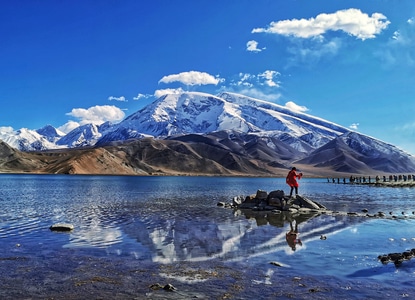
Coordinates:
[292,178]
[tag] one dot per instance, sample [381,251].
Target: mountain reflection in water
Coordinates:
[169,220]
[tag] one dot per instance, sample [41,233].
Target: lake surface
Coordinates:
[132,232]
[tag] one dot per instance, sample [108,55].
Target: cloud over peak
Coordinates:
[352,21]
[295,107]
[97,114]
[191,78]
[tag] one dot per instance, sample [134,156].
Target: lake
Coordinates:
[134,232]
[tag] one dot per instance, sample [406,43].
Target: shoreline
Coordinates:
[410,183]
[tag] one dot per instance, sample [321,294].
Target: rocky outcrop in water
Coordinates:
[397,258]
[275,200]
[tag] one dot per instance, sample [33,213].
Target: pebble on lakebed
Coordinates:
[61,227]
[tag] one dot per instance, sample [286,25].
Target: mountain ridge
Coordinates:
[229,134]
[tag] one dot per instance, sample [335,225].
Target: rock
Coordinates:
[276,202]
[221,204]
[384,259]
[247,205]
[407,255]
[304,202]
[250,199]
[169,287]
[261,195]
[237,200]
[156,286]
[277,264]
[365,210]
[398,262]
[264,201]
[61,227]
[279,194]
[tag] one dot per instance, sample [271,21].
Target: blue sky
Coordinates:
[67,63]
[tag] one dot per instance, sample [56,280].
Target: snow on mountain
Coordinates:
[85,135]
[246,126]
[186,113]
[50,133]
[25,139]
[201,113]
[354,152]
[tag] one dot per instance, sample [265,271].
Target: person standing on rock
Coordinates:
[292,180]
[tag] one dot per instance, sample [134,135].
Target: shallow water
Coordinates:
[134,231]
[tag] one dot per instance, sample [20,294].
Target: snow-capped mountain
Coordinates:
[26,139]
[201,113]
[50,133]
[214,126]
[84,135]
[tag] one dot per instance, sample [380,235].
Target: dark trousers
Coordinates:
[296,190]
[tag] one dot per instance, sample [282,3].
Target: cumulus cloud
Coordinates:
[252,46]
[352,21]
[295,107]
[141,96]
[269,77]
[191,78]
[69,126]
[354,126]
[121,99]
[97,114]
[162,92]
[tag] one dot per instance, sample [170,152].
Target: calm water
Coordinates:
[167,224]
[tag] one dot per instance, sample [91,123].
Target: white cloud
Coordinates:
[354,126]
[352,21]
[121,99]
[97,114]
[252,46]
[68,127]
[245,80]
[295,107]
[162,92]
[191,78]
[411,21]
[269,77]
[261,86]
[141,96]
